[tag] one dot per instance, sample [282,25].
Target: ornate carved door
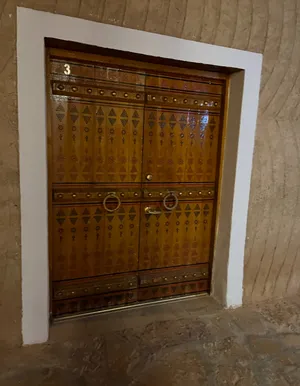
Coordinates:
[133,167]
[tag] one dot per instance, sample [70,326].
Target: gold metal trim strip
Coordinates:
[82,315]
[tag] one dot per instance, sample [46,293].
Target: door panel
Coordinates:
[96,142]
[94,302]
[180,145]
[96,139]
[89,241]
[181,129]
[175,237]
[167,290]
[96,73]
[179,274]
[69,289]
[176,83]
[94,293]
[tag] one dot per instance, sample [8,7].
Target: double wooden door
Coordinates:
[133,168]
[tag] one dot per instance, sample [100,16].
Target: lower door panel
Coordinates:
[173,275]
[93,303]
[163,291]
[160,283]
[107,259]
[94,293]
[175,237]
[95,256]
[89,241]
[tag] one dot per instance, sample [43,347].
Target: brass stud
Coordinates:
[99,195]
[195,275]
[130,284]
[185,276]
[89,90]
[175,277]
[216,103]
[122,194]
[205,103]
[138,96]
[185,101]
[196,102]
[190,193]
[149,177]
[74,89]
[125,95]
[149,194]
[209,192]
[160,193]
[108,287]
[60,195]
[153,98]
[73,292]
[60,87]
[165,99]
[74,195]
[113,93]
[135,194]
[204,273]
[165,279]
[200,193]
[101,92]
[88,195]
[174,100]
[180,193]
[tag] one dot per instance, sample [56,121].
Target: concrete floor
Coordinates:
[187,342]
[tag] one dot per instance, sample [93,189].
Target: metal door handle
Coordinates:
[109,196]
[170,194]
[149,210]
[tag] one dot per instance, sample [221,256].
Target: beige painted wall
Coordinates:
[271,27]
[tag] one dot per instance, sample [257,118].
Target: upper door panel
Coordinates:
[181,130]
[97,123]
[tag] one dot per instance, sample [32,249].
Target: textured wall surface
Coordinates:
[271,27]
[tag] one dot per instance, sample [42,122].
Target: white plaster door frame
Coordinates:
[32,28]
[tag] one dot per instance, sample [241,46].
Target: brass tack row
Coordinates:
[186,276]
[190,193]
[195,101]
[109,286]
[89,90]
[136,194]
[89,195]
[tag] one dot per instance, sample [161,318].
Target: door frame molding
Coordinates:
[32,28]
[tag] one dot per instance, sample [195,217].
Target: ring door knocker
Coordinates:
[170,194]
[113,196]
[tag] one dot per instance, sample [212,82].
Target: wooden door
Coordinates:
[133,167]
[180,157]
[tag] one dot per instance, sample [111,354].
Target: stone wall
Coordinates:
[271,27]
